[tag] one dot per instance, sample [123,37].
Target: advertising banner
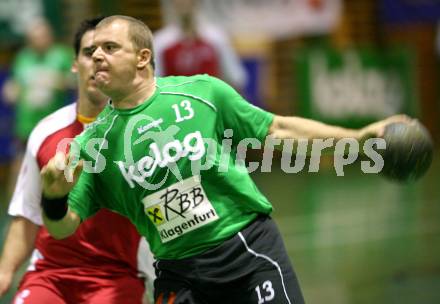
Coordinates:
[410,11]
[272,18]
[356,86]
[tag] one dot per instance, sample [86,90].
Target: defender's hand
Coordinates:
[59,176]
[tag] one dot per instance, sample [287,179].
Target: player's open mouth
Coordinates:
[100,70]
[99,73]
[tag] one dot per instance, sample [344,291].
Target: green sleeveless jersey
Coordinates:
[170,165]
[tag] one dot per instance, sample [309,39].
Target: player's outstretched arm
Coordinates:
[17,248]
[58,178]
[296,128]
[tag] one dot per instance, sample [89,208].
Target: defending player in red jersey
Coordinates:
[106,261]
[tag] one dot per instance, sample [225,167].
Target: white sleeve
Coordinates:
[27,194]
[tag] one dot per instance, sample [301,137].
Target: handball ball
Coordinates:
[409,151]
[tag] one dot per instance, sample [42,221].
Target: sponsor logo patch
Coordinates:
[179,208]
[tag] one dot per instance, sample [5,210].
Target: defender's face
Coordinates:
[115,58]
[84,67]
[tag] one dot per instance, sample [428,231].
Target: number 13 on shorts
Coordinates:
[265,292]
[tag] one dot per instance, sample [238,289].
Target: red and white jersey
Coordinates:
[189,57]
[210,53]
[106,244]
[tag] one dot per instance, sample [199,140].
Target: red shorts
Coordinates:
[65,287]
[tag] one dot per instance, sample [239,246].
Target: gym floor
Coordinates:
[360,238]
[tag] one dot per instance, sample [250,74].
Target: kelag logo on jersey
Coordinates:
[164,151]
[179,209]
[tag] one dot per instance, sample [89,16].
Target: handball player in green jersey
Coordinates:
[159,154]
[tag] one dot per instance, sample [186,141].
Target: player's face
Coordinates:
[115,58]
[84,68]
[40,36]
[185,7]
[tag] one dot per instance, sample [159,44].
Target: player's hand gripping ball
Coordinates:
[409,151]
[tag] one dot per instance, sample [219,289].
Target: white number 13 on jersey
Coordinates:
[184,111]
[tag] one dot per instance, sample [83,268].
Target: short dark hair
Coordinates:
[140,34]
[85,26]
